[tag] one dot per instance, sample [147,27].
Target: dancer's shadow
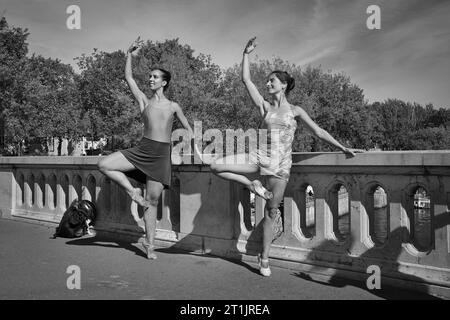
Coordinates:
[109,242]
[215,224]
[207,218]
[390,252]
[208,221]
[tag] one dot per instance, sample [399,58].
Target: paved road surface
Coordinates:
[33,266]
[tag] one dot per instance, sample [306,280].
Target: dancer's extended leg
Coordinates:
[234,168]
[114,166]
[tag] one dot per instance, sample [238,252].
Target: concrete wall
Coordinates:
[203,213]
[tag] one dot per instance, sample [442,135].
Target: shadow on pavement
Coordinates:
[108,242]
[386,292]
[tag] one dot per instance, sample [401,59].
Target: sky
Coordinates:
[407,58]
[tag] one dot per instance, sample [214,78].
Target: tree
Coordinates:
[13,50]
[337,106]
[431,138]
[45,104]
[436,118]
[398,121]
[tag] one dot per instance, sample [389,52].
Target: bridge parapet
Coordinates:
[340,216]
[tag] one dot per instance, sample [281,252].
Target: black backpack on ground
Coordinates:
[76,220]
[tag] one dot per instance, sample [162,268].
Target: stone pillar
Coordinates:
[7,193]
[324,225]
[359,226]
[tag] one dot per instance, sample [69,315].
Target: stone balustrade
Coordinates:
[357,213]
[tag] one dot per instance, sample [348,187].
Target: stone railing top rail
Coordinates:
[374,158]
[437,158]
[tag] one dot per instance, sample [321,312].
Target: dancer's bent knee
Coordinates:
[215,168]
[153,201]
[102,167]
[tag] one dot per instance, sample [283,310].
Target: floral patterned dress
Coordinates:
[274,157]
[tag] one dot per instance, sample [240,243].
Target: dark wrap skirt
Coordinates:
[152,159]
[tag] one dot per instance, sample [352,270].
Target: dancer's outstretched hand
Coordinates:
[135,46]
[352,152]
[251,45]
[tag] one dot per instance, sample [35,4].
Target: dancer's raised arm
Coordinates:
[257,98]
[138,94]
[321,133]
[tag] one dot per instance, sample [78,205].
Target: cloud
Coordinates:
[407,58]
[319,55]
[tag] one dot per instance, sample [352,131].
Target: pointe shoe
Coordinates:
[149,250]
[261,191]
[265,271]
[137,197]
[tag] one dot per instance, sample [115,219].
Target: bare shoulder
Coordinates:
[175,106]
[297,111]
